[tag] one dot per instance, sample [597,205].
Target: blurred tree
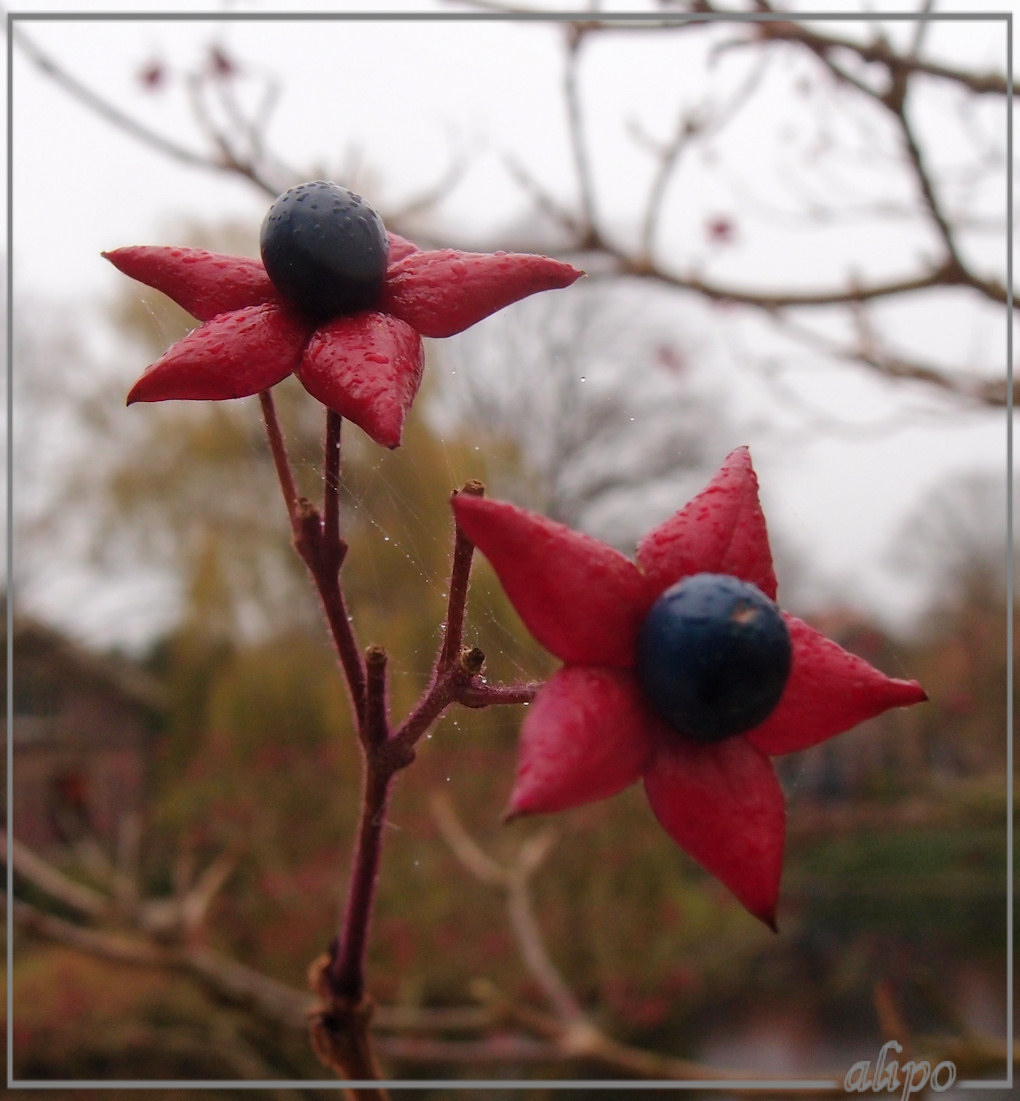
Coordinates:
[590,409]
[958,540]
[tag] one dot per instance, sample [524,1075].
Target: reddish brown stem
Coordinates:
[335,608]
[279,452]
[318,542]
[346,973]
[441,692]
[456,675]
[452,671]
[477,694]
[376,727]
[456,603]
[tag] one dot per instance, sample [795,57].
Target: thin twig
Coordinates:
[881,52]
[868,352]
[460,573]
[122,121]
[41,874]
[513,881]
[278,448]
[669,160]
[375,729]
[578,142]
[456,673]
[545,203]
[691,125]
[321,550]
[478,694]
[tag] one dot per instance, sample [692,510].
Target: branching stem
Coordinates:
[340,1028]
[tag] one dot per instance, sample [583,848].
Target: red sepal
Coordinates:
[829,691]
[206,284]
[579,597]
[444,292]
[723,805]
[231,356]
[399,248]
[722,530]
[586,737]
[367,367]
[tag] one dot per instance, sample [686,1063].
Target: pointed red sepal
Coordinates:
[580,598]
[442,293]
[586,737]
[367,367]
[723,805]
[829,691]
[400,247]
[232,356]
[206,284]
[722,530]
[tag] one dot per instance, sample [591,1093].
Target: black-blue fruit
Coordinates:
[714,656]
[325,250]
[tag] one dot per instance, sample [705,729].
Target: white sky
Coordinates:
[411,95]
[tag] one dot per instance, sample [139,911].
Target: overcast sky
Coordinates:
[407,98]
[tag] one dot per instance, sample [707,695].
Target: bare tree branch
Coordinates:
[574,1035]
[879,51]
[86,901]
[761,26]
[868,351]
[227,160]
[407,1033]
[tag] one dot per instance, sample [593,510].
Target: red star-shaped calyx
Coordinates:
[591,731]
[364,365]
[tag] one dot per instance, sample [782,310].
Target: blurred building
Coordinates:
[83,727]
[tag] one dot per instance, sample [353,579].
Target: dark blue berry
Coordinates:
[325,250]
[714,656]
